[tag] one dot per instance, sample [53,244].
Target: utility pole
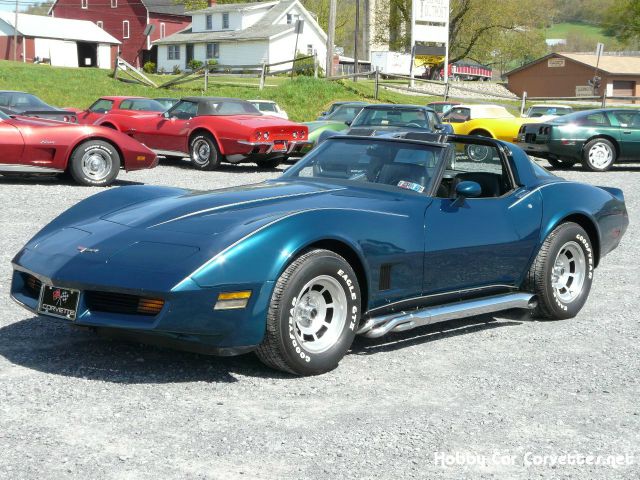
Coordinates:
[15,35]
[355,42]
[331,38]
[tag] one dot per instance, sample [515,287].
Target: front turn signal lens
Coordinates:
[232,300]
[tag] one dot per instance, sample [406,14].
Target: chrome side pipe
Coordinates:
[401,321]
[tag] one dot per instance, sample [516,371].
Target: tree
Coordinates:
[622,20]
[39,8]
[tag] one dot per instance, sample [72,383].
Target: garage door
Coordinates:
[61,52]
[623,88]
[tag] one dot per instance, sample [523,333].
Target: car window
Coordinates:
[142,105]
[398,165]
[345,113]
[393,117]
[594,119]
[184,110]
[478,163]
[227,107]
[627,118]
[457,115]
[265,106]
[541,111]
[3,115]
[101,106]
[432,119]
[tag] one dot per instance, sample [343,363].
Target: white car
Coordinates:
[267,107]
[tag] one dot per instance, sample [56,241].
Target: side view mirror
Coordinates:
[468,189]
[324,113]
[348,123]
[165,115]
[438,126]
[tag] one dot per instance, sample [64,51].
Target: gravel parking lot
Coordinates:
[503,390]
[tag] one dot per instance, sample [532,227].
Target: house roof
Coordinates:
[58,28]
[262,29]
[164,7]
[234,7]
[612,64]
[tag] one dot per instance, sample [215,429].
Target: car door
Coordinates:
[11,143]
[627,122]
[483,243]
[170,131]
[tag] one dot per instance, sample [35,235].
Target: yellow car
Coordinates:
[493,121]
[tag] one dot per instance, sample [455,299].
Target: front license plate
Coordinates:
[59,302]
[279,146]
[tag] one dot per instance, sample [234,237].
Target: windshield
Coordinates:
[391,117]
[541,111]
[345,113]
[265,106]
[22,101]
[440,107]
[142,105]
[396,164]
[457,115]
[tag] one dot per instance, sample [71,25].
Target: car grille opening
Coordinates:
[31,285]
[123,303]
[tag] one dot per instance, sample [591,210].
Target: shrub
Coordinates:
[306,67]
[149,67]
[211,63]
[176,70]
[194,64]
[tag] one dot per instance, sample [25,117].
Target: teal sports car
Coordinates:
[596,138]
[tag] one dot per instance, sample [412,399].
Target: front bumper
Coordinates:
[186,321]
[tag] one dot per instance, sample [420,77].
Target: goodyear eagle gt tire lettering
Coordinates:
[313,315]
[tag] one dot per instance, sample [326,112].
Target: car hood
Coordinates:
[214,212]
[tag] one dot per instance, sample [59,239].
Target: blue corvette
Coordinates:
[366,235]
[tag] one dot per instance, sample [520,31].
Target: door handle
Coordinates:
[627,133]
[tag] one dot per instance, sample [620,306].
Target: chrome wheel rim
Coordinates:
[96,164]
[201,152]
[600,155]
[478,153]
[569,271]
[320,314]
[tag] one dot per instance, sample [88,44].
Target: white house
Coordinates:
[244,34]
[60,41]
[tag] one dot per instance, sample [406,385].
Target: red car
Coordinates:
[117,106]
[212,130]
[92,155]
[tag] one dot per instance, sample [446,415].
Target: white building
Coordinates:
[59,41]
[244,34]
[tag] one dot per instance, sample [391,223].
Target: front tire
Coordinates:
[598,155]
[204,152]
[313,315]
[562,272]
[94,163]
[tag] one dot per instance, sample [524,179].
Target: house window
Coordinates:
[100,24]
[125,29]
[225,20]
[84,4]
[289,18]
[163,30]
[114,3]
[173,52]
[213,50]
[209,20]
[309,49]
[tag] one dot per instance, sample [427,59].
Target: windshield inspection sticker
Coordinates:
[416,187]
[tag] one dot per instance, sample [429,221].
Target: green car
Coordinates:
[337,121]
[596,138]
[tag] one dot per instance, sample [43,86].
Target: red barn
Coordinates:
[129,21]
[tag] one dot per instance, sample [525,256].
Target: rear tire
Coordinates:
[598,155]
[313,315]
[204,153]
[94,163]
[562,273]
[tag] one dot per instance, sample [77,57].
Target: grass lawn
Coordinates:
[303,98]
[590,32]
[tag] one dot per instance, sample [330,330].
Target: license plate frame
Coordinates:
[59,302]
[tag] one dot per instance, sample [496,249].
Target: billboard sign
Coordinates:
[430,21]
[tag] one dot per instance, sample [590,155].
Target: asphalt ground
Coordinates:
[499,396]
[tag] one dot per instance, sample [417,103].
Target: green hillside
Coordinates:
[591,33]
[303,98]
